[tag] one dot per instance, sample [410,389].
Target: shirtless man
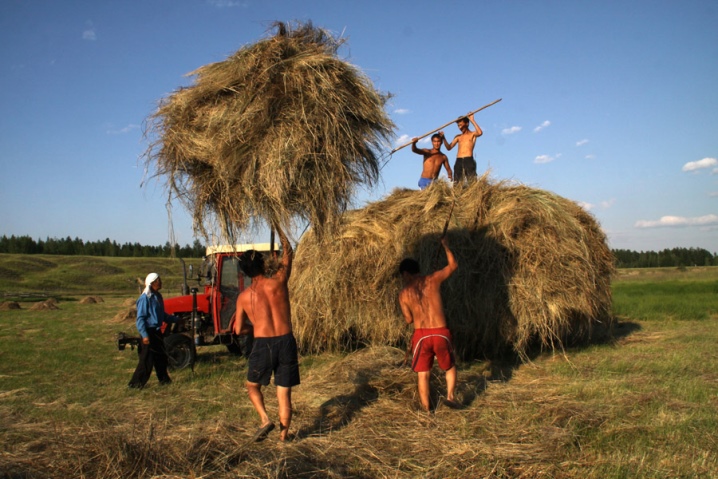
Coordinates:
[433,159]
[266,304]
[465,166]
[420,301]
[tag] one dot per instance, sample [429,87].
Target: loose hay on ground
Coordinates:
[342,431]
[92,300]
[9,305]
[125,315]
[129,302]
[47,305]
[533,267]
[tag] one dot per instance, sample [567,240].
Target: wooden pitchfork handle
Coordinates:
[443,235]
[444,126]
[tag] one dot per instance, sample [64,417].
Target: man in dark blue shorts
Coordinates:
[266,304]
[465,166]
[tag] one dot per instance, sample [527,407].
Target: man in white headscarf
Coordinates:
[150,316]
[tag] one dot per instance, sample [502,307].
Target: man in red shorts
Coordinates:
[421,304]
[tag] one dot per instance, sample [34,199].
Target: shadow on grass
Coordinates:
[337,412]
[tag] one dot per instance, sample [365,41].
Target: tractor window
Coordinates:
[230,266]
[229,289]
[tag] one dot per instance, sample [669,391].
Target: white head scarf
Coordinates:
[151,278]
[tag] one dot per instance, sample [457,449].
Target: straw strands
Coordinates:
[282,130]
[533,267]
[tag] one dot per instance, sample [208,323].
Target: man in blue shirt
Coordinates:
[150,316]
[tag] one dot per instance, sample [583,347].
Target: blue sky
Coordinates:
[612,104]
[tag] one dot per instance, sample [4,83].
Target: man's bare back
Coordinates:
[420,300]
[266,302]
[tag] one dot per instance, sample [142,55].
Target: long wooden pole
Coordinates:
[443,234]
[445,125]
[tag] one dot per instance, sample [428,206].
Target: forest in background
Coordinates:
[674,257]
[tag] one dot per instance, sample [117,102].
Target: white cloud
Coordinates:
[590,157]
[678,221]
[124,130]
[543,125]
[511,131]
[543,159]
[605,204]
[89,34]
[402,111]
[713,194]
[402,140]
[227,3]
[581,142]
[700,164]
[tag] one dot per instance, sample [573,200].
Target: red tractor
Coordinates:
[206,317]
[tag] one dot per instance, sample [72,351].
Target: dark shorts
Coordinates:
[424,183]
[429,342]
[276,355]
[464,167]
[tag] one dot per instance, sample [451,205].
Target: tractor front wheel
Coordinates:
[179,351]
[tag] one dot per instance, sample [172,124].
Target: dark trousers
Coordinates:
[464,168]
[151,355]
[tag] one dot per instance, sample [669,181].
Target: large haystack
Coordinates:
[281,130]
[533,266]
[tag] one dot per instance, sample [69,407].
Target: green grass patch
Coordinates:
[667,299]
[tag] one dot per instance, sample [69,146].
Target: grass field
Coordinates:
[643,406]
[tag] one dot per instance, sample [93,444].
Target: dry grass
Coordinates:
[534,268]
[355,418]
[281,130]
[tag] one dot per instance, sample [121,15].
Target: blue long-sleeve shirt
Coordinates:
[151,313]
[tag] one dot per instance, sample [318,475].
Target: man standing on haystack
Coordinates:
[433,159]
[421,304]
[465,166]
[266,304]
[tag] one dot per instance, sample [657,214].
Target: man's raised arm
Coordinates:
[478,132]
[287,254]
[448,145]
[418,151]
[452,265]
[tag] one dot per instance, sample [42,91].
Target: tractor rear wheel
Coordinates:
[179,351]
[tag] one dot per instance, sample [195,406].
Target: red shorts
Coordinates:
[429,342]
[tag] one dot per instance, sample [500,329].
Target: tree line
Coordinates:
[679,257]
[69,246]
